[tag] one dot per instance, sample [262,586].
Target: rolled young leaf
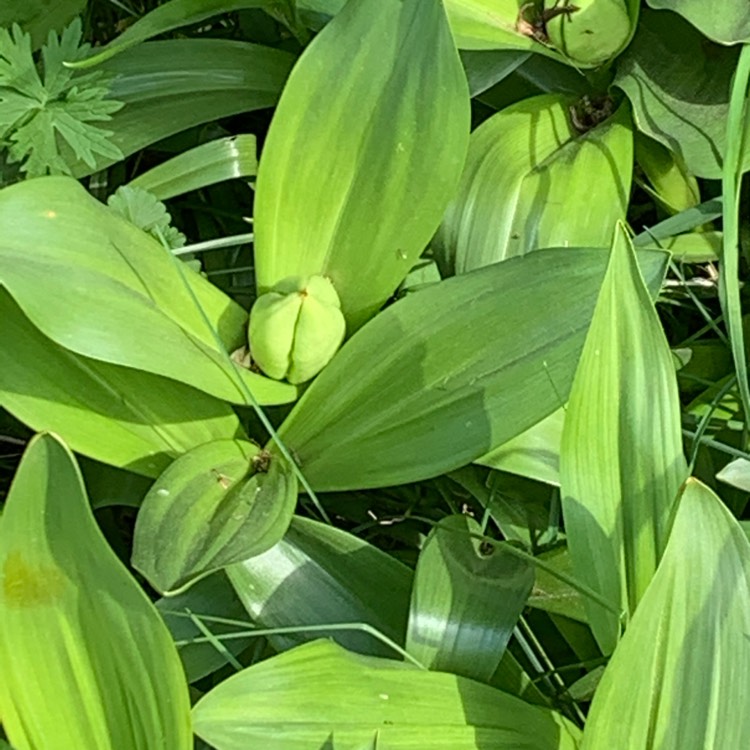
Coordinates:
[465,601]
[422,389]
[621,459]
[86,661]
[678,679]
[389,131]
[320,695]
[221,503]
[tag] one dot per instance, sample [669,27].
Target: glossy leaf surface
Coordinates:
[527,185]
[294,702]
[207,164]
[124,417]
[678,679]
[86,660]
[173,85]
[727,23]
[216,505]
[422,390]
[621,459]
[392,133]
[678,84]
[318,575]
[465,601]
[100,287]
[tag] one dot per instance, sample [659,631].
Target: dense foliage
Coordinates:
[373,374]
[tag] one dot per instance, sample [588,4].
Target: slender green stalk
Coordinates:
[217,244]
[361,627]
[731,177]
[250,400]
[214,641]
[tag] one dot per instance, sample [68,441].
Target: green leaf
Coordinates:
[34,113]
[170,86]
[211,597]
[86,660]
[39,17]
[118,415]
[167,17]
[207,164]
[552,594]
[678,678]
[317,575]
[422,389]
[147,212]
[100,287]
[674,187]
[466,601]
[294,702]
[728,23]
[535,453]
[678,84]
[527,185]
[496,24]
[621,460]
[216,505]
[398,141]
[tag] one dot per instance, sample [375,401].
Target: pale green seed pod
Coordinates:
[592,32]
[296,328]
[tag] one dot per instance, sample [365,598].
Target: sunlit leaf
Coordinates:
[621,460]
[320,695]
[86,660]
[392,133]
[466,601]
[527,185]
[678,679]
[221,503]
[422,389]
[125,417]
[100,287]
[320,575]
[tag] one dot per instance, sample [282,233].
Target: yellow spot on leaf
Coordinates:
[28,585]
[50,214]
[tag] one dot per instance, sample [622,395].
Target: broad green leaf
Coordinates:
[319,575]
[527,185]
[535,453]
[621,459]
[86,660]
[678,679]
[674,187]
[466,601]
[118,415]
[207,164]
[176,84]
[484,69]
[391,132]
[167,17]
[100,287]
[319,695]
[693,247]
[211,597]
[221,503]
[727,22]
[678,84]
[39,17]
[423,389]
